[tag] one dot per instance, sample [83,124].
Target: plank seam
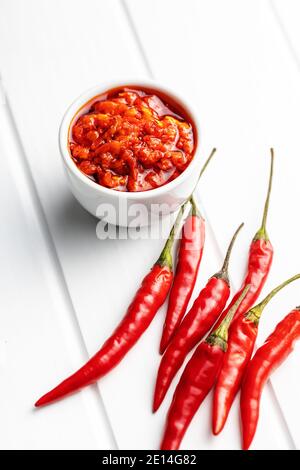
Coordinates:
[137,38]
[48,240]
[148,67]
[292,51]
[288,41]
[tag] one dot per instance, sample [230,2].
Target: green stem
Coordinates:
[194,209]
[255,313]
[203,170]
[165,258]
[262,232]
[220,334]
[223,273]
[206,163]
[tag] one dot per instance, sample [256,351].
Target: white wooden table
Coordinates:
[62,290]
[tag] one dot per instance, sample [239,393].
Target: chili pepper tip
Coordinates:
[41,401]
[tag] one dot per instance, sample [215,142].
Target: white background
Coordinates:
[62,291]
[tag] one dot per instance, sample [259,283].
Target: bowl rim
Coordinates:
[91,92]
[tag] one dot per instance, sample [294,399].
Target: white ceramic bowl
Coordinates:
[128,208]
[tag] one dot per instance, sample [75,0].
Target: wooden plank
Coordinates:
[231,58]
[37,331]
[57,64]
[285,381]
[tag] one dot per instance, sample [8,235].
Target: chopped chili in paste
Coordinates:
[132,139]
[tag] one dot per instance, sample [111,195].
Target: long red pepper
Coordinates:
[259,265]
[242,337]
[267,358]
[196,381]
[259,260]
[146,302]
[189,259]
[197,322]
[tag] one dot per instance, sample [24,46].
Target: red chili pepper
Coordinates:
[259,265]
[198,321]
[196,381]
[259,260]
[267,358]
[189,258]
[148,299]
[242,337]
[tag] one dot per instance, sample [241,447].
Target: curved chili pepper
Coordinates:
[267,358]
[259,265]
[189,259]
[196,381]
[146,302]
[197,322]
[242,337]
[259,260]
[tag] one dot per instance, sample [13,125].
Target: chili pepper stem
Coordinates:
[262,234]
[202,171]
[207,162]
[220,334]
[194,209]
[165,258]
[223,273]
[255,313]
[222,329]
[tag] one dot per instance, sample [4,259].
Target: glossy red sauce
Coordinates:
[132,139]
